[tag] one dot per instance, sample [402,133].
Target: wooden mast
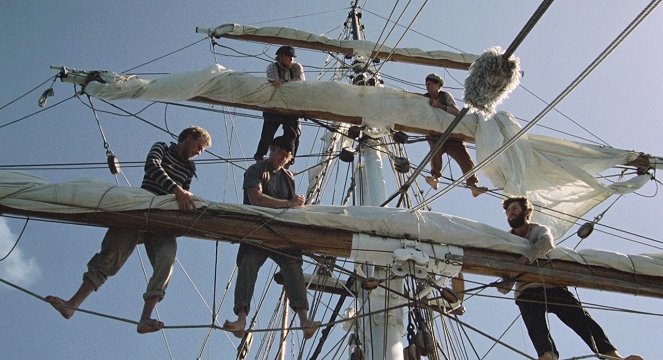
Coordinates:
[234,227]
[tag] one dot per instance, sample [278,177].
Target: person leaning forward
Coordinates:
[267,183]
[168,170]
[535,299]
[283,70]
[455,148]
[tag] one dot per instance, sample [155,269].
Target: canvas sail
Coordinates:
[556,174]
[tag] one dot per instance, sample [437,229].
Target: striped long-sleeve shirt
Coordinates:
[276,71]
[165,169]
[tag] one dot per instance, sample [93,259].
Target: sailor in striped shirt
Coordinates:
[168,170]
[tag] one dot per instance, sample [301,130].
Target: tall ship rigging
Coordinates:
[629,159]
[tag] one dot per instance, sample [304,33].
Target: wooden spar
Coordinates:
[325,115]
[559,273]
[445,63]
[213,225]
[233,227]
[642,162]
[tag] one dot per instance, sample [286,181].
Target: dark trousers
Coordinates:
[534,303]
[457,151]
[291,131]
[251,258]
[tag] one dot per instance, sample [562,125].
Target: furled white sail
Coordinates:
[556,174]
[361,49]
[27,192]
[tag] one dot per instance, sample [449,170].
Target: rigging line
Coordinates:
[165,55]
[109,153]
[51,78]
[379,42]
[527,28]
[632,240]
[300,16]
[156,309]
[195,288]
[166,131]
[434,149]
[598,217]
[403,35]
[501,336]
[591,67]
[118,114]
[601,141]
[416,32]
[464,324]
[223,298]
[567,117]
[36,112]
[35,295]
[241,54]
[540,208]
[17,239]
[335,313]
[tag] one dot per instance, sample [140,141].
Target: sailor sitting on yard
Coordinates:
[455,148]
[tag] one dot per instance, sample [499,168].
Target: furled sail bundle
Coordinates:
[556,174]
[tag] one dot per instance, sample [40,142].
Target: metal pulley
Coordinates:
[113,163]
[585,230]
[401,164]
[354,132]
[399,137]
[347,154]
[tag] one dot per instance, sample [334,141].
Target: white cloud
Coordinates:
[17,267]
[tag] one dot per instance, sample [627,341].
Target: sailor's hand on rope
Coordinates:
[184,199]
[298,200]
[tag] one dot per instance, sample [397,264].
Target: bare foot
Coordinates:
[65,308]
[309,328]
[549,355]
[148,325]
[477,190]
[433,182]
[235,327]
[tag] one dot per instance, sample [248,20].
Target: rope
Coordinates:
[20,236]
[434,149]
[591,67]
[527,28]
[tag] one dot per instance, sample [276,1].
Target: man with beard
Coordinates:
[535,299]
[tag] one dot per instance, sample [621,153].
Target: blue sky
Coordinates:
[617,103]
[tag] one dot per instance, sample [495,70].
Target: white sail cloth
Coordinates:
[377,107]
[23,191]
[356,48]
[554,173]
